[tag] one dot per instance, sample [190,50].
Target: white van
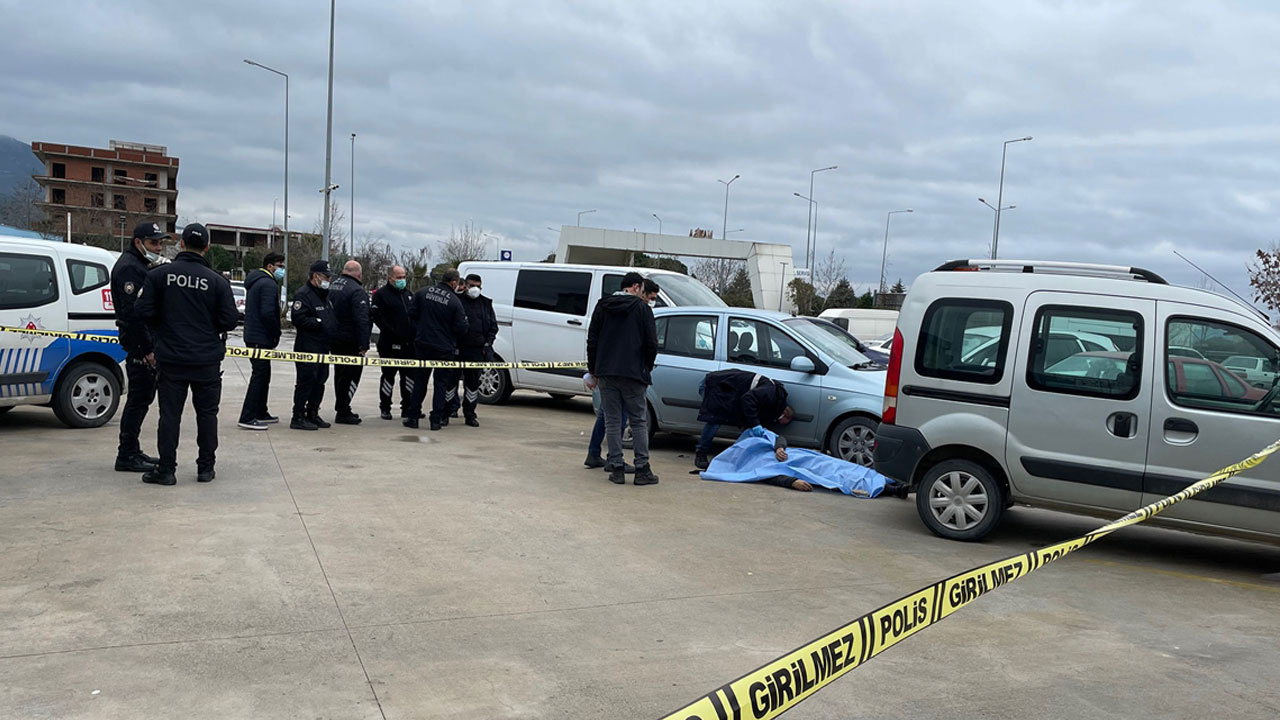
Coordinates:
[543,312]
[863,323]
[57,286]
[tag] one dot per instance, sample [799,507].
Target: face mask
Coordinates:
[278,274]
[324,284]
[399,284]
[150,256]
[473,293]
[653,303]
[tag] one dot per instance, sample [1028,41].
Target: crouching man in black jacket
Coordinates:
[191,308]
[312,316]
[740,398]
[392,313]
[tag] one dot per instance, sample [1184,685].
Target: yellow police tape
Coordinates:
[325,358]
[780,685]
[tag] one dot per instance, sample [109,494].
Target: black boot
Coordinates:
[299,423]
[593,461]
[645,476]
[700,461]
[205,475]
[317,421]
[617,477]
[472,421]
[134,463]
[156,476]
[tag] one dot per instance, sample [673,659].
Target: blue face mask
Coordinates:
[400,284]
[278,274]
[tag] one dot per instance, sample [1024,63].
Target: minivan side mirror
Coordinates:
[800,363]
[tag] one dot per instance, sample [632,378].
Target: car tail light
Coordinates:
[890,414]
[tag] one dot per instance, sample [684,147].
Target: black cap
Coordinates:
[149,231]
[322,267]
[197,233]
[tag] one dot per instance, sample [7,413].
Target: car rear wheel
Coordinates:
[854,439]
[87,395]
[960,500]
[495,386]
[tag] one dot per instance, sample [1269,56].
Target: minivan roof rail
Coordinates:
[1061,268]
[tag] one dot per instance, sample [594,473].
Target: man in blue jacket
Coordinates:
[192,309]
[261,330]
[439,320]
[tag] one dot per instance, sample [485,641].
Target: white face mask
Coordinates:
[473,293]
[653,303]
[324,284]
[150,256]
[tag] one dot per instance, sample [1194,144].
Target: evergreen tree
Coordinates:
[738,293]
[866,301]
[842,296]
[898,287]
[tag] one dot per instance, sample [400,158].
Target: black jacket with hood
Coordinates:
[191,308]
[741,398]
[261,310]
[622,340]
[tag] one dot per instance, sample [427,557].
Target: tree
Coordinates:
[464,244]
[866,301]
[252,261]
[18,207]
[898,287]
[337,228]
[804,296]
[841,296]
[549,258]
[417,264]
[437,272]
[219,259]
[1264,277]
[376,258]
[662,263]
[830,271]
[716,273]
[738,292]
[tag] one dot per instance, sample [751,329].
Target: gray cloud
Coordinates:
[1153,122]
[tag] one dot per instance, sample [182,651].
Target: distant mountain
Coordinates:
[17,163]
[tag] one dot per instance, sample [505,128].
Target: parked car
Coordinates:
[880,357]
[1059,345]
[862,323]
[973,438]
[58,286]
[1186,352]
[884,343]
[1258,372]
[237,290]
[836,391]
[543,311]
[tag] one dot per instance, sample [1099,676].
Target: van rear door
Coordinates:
[549,316]
[1079,421]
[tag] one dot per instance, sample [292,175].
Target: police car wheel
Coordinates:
[87,396]
[960,500]
[495,386]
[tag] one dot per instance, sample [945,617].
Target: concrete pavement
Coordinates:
[373,571]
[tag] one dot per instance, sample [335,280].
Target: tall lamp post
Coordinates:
[813,221]
[351,239]
[725,226]
[655,217]
[286,154]
[995,234]
[329,187]
[993,208]
[884,254]
[813,215]
[584,212]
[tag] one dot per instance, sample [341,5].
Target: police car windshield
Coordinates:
[831,340]
[684,291]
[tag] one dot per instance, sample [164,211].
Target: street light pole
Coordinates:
[884,254]
[328,141]
[725,226]
[813,216]
[584,212]
[286,155]
[351,241]
[782,287]
[995,234]
[813,220]
[655,215]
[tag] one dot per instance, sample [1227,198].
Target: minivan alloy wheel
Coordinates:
[958,500]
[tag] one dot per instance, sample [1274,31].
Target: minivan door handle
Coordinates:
[1122,424]
[575,322]
[1180,425]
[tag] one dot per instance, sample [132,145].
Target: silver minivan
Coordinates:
[1049,422]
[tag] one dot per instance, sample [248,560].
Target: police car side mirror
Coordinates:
[800,363]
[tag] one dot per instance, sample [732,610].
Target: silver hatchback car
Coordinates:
[836,391]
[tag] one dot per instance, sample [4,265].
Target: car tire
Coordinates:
[87,395]
[960,500]
[854,439]
[495,386]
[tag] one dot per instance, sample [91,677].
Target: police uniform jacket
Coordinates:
[482,323]
[439,318]
[261,309]
[312,316]
[191,308]
[392,310]
[127,279]
[350,304]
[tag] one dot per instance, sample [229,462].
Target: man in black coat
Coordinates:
[192,309]
[351,314]
[312,317]
[440,320]
[740,398]
[261,330]
[127,278]
[477,344]
[622,345]
[391,310]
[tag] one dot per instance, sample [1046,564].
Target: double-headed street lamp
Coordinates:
[286,154]
[884,254]
[725,226]
[584,212]
[810,246]
[995,234]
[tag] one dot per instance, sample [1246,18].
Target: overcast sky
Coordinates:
[1155,123]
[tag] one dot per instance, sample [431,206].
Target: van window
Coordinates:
[610,284]
[86,276]
[755,343]
[965,339]
[688,335]
[26,281]
[1197,351]
[1077,351]
[561,291]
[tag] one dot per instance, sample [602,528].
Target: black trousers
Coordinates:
[470,379]
[309,390]
[142,392]
[205,384]
[422,376]
[255,398]
[346,378]
[402,350]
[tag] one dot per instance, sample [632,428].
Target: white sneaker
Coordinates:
[252,425]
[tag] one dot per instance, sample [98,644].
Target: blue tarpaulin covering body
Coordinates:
[752,459]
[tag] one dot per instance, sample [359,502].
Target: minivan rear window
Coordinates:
[965,339]
[561,291]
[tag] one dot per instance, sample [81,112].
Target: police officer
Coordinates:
[350,304]
[312,317]
[392,305]
[440,321]
[192,309]
[261,330]
[477,344]
[127,278]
